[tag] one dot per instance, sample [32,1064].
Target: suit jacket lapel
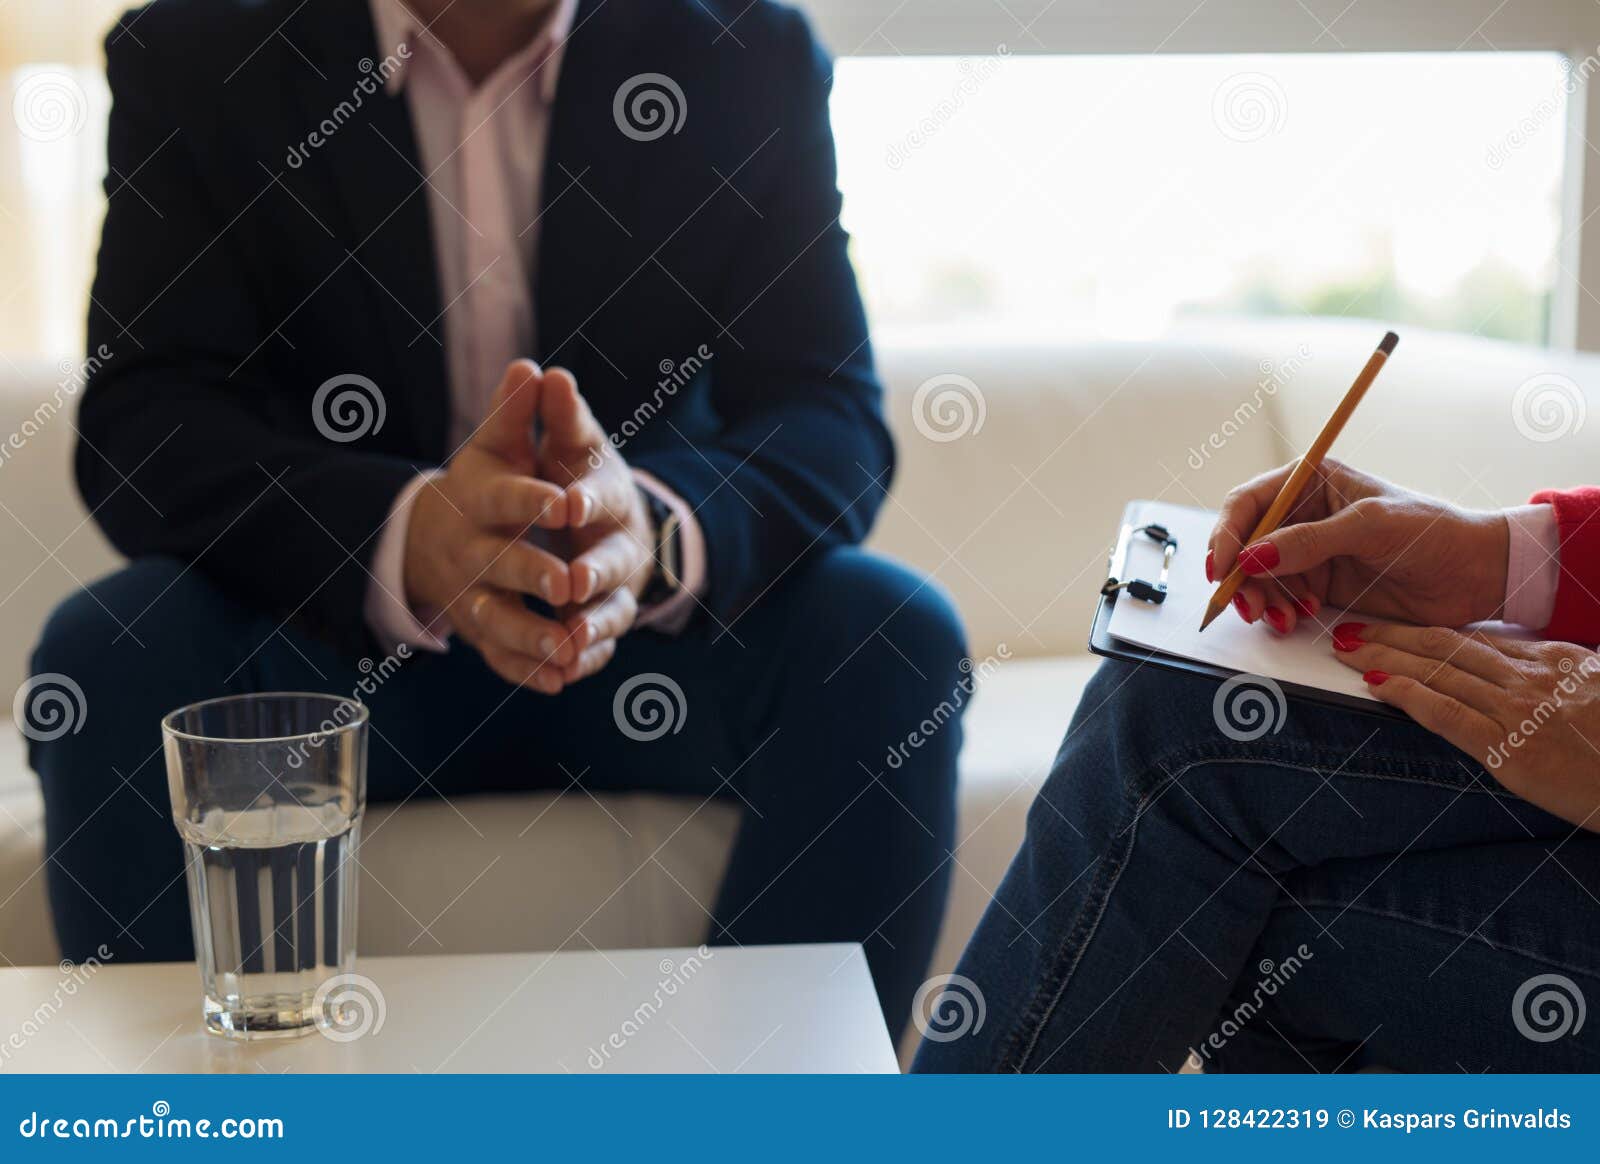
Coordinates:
[590,229]
[372,161]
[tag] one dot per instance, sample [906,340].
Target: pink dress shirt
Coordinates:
[1533,565]
[483,150]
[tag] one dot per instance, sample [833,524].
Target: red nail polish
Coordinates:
[1278,620]
[1376,678]
[1346,645]
[1211,566]
[1241,606]
[1350,630]
[1308,605]
[1259,558]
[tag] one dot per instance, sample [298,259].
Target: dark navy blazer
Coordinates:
[241,269]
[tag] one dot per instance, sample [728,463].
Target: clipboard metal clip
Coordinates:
[1152,592]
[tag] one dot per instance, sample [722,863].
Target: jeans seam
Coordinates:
[1465,936]
[1312,759]
[1107,876]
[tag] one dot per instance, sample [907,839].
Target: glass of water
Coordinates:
[268,793]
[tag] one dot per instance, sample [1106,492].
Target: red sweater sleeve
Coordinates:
[1577,611]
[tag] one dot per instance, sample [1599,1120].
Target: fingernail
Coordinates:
[547,588]
[583,508]
[1376,678]
[1308,605]
[547,646]
[1259,558]
[1278,620]
[1241,606]
[1211,566]
[1347,636]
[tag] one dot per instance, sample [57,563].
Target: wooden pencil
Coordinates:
[1309,464]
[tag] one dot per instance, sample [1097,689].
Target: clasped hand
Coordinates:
[468,557]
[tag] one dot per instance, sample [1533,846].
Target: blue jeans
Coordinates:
[788,716]
[1346,890]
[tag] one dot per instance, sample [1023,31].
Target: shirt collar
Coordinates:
[396,25]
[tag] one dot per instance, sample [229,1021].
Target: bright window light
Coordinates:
[1019,197]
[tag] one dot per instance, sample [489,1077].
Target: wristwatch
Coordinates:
[666,579]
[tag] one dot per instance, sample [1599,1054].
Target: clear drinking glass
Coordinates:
[268,793]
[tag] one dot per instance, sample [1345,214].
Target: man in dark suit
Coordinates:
[516,338]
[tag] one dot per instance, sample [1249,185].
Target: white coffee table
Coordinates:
[752,1009]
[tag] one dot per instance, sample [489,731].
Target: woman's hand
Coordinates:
[1359,542]
[1529,712]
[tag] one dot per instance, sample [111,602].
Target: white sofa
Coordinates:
[1013,518]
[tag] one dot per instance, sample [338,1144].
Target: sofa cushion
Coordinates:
[541,871]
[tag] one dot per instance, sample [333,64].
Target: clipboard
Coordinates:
[1102,643]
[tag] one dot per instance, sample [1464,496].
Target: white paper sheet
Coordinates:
[1173,627]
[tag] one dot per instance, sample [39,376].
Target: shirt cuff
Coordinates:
[672,615]
[387,613]
[1533,565]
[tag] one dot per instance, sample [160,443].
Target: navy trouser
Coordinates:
[1345,890]
[789,715]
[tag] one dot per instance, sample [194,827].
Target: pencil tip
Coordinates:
[1209,618]
[1389,341]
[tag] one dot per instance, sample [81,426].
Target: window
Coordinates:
[1019,197]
